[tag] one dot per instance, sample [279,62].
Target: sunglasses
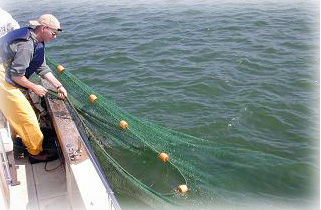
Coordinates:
[52,31]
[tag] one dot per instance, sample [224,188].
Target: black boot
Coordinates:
[42,157]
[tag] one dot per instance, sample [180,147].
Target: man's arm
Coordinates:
[62,93]
[23,81]
[22,58]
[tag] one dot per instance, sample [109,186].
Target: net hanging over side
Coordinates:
[129,148]
[214,172]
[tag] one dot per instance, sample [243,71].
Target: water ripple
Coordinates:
[242,75]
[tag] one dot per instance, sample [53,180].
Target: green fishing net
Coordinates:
[130,157]
[217,173]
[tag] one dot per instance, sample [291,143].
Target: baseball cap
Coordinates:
[47,20]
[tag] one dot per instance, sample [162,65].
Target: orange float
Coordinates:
[182,189]
[164,157]
[92,98]
[123,124]
[60,69]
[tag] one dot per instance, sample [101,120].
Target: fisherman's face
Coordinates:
[48,33]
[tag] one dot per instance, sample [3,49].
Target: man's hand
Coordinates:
[39,90]
[62,93]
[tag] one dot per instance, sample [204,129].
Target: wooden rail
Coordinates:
[68,135]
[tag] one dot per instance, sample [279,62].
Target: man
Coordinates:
[7,23]
[22,54]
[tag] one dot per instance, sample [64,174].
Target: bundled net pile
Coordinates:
[129,157]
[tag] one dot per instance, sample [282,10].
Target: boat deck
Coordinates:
[78,183]
[40,189]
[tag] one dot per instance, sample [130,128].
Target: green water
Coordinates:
[242,75]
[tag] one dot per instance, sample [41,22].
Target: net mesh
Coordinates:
[130,157]
[217,173]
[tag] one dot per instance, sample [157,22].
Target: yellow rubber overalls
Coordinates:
[19,113]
